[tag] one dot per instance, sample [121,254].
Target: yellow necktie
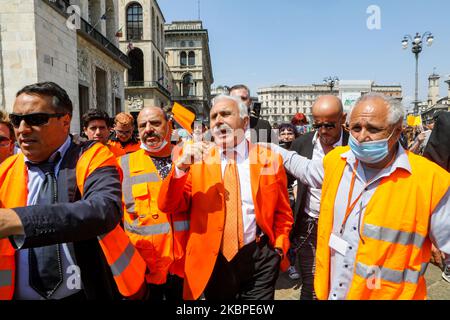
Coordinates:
[233,234]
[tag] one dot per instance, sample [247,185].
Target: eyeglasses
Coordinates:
[245,98]
[33,119]
[4,141]
[123,133]
[326,125]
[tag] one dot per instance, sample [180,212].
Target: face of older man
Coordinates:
[369,122]
[227,126]
[153,127]
[328,119]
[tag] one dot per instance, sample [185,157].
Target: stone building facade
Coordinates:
[149,81]
[71,43]
[280,103]
[189,60]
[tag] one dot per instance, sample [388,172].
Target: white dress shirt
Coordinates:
[313,195]
[243,167]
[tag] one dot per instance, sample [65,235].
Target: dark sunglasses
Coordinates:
[33,119]
[326,125]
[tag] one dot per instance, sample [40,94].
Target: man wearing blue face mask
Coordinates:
[382,207]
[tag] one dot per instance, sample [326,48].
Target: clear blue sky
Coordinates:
[263,42]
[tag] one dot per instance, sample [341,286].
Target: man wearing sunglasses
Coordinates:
[7,138]
[328,117]
[381,209]
[60,209]
[124,138]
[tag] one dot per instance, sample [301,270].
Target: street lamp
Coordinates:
[331,82]
[416,48]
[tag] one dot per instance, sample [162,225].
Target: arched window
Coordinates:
[188,85]
[136,73]
[191,61]
[183,59]
[134,22]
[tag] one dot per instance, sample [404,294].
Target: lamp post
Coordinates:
[416,48]
[331,82]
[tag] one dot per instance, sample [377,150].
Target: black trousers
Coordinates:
[307,256]
[251,275]
[172,290]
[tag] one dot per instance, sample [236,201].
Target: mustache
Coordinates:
[224,126]
[152,135]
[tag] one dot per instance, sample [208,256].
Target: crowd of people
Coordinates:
[356,205]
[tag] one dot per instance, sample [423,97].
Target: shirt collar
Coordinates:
[401,160]
[241,149]
[61,150]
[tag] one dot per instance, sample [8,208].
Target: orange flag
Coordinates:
[183,116]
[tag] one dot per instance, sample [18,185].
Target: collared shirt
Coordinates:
[23,290]
[313,195]
[243,167]
[311,172]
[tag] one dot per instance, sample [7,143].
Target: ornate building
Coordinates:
[280,103]
[148,81]
[189,60]
[71,43]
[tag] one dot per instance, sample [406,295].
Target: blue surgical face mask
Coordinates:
[371,151]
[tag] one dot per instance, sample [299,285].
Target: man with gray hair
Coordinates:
[239,208]
[382,207]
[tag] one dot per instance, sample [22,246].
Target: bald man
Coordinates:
[159,237]
[329,119]
[381,209]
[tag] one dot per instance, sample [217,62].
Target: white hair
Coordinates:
[396,111]
[243,112]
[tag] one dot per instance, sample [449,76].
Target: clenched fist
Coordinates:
[192,152]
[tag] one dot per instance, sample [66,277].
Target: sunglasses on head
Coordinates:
[326,125]
[33,119]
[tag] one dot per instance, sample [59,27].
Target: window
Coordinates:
[136,73]
[134,22]
[188,85]
[183,59]
[191,61]
[183,44]
[191,43]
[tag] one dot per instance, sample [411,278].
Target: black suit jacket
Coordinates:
[79,220]
[303,145]
[263,130]
[438,146]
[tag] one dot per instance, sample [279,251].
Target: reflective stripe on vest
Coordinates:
[6,278]
[154,229]
[181,225]
[123,261]
[396,276]
[128,182]
[393,236]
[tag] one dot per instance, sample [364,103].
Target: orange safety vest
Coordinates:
[391,262]
[118,150]
[127,267]
[159,237]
